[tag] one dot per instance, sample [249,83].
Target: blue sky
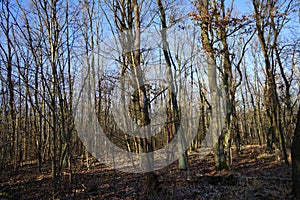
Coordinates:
[243,5]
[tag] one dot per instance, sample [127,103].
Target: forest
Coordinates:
[149,99]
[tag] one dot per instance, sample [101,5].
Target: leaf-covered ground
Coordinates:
[254,175]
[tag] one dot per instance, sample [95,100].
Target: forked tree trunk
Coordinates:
[216,118]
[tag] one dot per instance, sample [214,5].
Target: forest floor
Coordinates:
[254,175]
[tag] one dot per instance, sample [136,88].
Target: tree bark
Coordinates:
[271,96]
[296,159]
[172,106]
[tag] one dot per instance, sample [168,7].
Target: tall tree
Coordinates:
[7,58]
[207,39]
[269,21]
[147,145]
[128,21]
[173,110]
[217,26]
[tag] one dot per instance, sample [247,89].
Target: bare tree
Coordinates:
[296,158]
[7,58]
[217,26]
[270,18]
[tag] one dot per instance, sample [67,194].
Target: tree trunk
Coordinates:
[216,118]
[271,96]
[296,159]
[172,106]
[152,180]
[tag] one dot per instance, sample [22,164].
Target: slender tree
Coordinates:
[296,158]
[7,58]
[217,27]
[269,21]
